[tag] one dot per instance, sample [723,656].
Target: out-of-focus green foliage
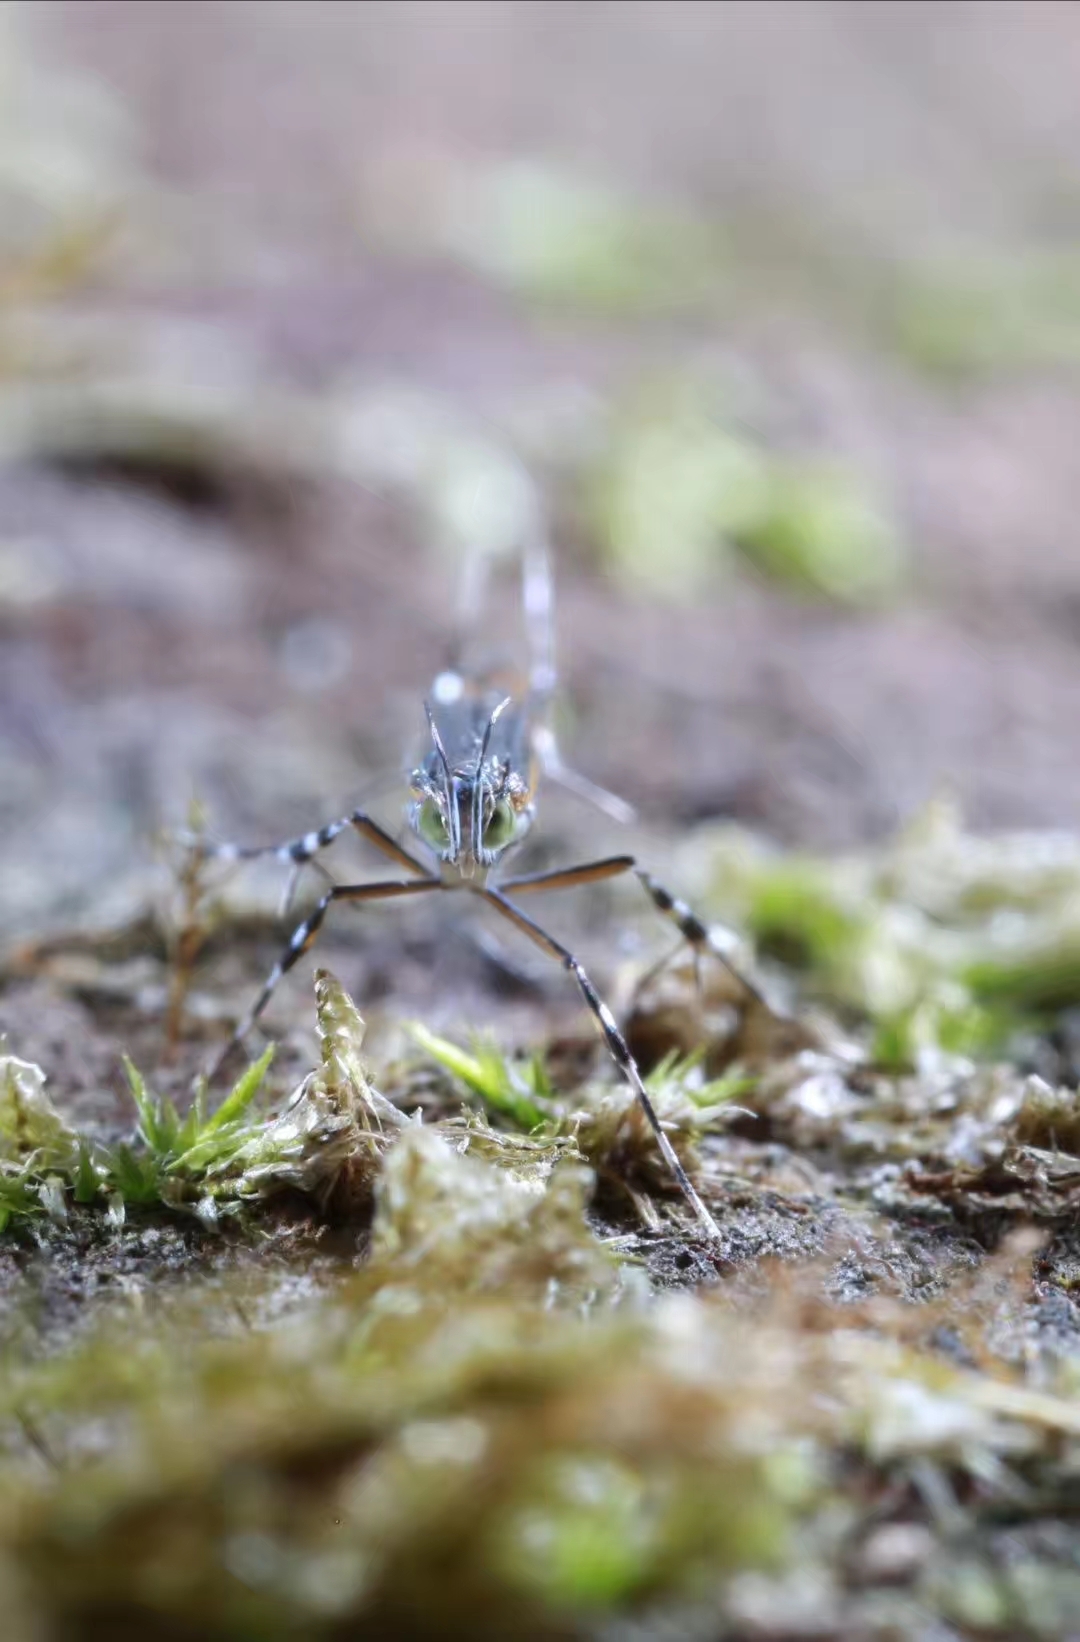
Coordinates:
[936,933]
[556,238]
[968,319]
[820,531]
[389,1459]
[678,495]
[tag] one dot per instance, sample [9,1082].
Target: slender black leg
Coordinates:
[304,937]
[617,1045]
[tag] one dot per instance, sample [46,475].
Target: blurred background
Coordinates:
[779,303]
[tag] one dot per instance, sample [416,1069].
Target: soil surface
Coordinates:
[262,638]
[199,600]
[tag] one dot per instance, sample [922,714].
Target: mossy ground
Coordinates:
[416,1339]
[437,1347]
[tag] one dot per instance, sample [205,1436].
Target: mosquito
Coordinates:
[473,802]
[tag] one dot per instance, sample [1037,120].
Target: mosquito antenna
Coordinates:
[453,820]
[477,793]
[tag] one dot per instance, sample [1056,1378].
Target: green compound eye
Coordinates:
[500,828]
[431,826]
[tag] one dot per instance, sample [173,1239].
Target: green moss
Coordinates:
[822,533]
[590,1532]
[560,240]
[673,488]
[936,937]
[795,911]
[446,1443]
[1041,977]
[967,1030]
[20,1193]
[680,494]
[484,1421]
[582,1533]
[520,1093]
[172,1161]
[986,315]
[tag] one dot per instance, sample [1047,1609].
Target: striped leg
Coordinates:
[305,935]
[297,852]
[686,921]
[694,932]
[617,1045]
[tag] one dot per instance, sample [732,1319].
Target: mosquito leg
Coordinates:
[384,841]
[694,932]
[538,604]
[297,851]
[590,872]
[689,925]
[617,1045]
[572,781]
[303,939]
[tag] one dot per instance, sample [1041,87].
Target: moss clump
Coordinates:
[973,934]
[493,1422]
[486,1429]
[568,243]
[969,319]
[1049,1118]
[680,494]
[485,1426]
[211,1163]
